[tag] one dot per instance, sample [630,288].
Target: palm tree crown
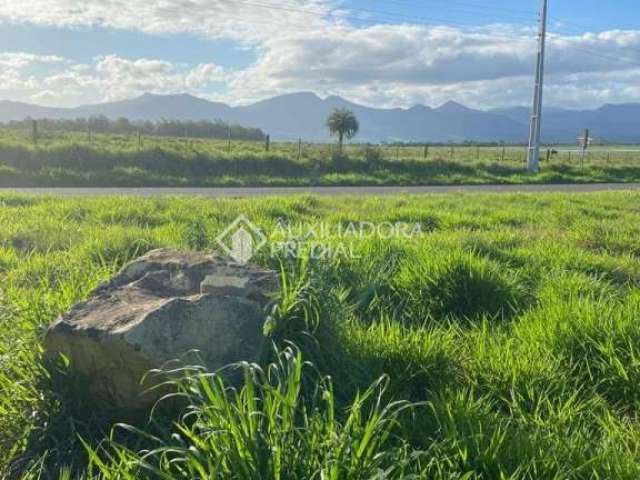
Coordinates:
[342,122]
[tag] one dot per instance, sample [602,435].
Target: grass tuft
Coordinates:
[510,322]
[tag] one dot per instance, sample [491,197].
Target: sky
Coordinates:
[381,53]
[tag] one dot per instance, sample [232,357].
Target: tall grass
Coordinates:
[509,326]
[271,427]
[119,160]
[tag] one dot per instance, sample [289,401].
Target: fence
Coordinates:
[300,150]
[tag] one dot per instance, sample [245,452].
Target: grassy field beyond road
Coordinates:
[74,160]
[511,321]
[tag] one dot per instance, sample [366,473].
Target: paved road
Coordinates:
[329,191]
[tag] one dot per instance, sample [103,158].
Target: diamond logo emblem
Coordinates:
[241,240]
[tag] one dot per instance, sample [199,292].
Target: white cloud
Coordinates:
[310,45]
[244,20]
[15,78]
[580,91]
[205,74]
[401,65]
[45,96]
[107,78]
[19,60]
[121,78]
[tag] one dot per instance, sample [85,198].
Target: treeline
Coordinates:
[124,126]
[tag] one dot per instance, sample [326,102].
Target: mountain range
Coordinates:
[303,115]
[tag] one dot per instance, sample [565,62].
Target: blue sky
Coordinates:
[383,53]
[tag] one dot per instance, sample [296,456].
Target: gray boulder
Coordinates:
[158,308]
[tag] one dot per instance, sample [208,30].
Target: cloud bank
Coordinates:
[317,45]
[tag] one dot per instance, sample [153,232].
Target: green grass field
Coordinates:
[74,159]
[510,326]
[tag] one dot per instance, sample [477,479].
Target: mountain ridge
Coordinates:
[303,114]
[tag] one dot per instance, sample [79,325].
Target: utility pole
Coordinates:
[536,115]
[585,141]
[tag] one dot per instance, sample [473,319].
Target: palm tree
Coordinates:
[344,123]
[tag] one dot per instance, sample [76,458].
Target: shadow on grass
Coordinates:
[67,418]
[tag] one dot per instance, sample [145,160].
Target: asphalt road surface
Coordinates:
[329,191]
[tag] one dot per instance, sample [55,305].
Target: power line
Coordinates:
[451,3]
[476,11]
[580,34]
[426,21]
[583,28]
[304,27]
[322,15]
[635,63]
[392,19]
[286,22]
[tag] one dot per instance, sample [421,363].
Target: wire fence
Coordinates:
[301,149]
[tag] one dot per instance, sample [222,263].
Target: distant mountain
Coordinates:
[613,123]
[303,115]
[156,107]
[18,111]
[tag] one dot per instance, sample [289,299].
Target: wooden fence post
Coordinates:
[34,131]
[267,141]
[299,148]
[426,152]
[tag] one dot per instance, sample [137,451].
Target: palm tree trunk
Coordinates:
[340,140]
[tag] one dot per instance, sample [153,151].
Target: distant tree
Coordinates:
[162,128]
[121,126]
[342,122]
[99,123]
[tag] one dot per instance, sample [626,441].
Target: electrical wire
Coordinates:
[387,17]
[574,31]
[420,21]
[593,53]
[465,10]
[392,19]
[452,3]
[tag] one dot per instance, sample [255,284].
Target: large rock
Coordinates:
[157,309]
